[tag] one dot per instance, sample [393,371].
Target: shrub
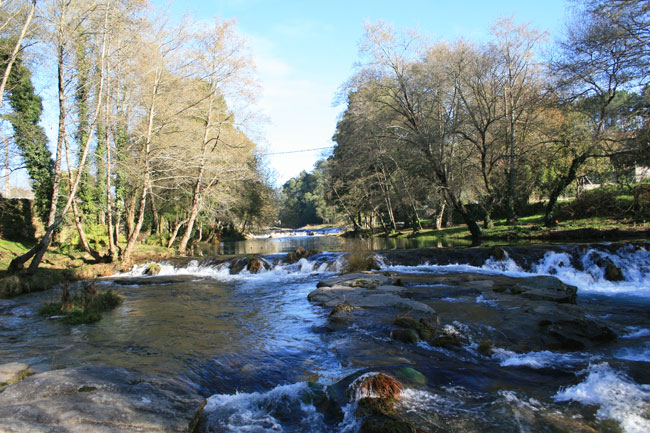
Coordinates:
[607,202]
[361,260]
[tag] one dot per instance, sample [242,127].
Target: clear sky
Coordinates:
[304,50]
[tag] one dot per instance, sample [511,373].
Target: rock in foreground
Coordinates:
[13,372]
[97,400]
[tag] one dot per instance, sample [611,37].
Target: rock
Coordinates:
[424,328]
[405,335]
[498,253]
[411,375]
[364,297]
[152,269]
[254,264]
[378,385]
[14,372]
[342,308]
[386,425]
[485,348]
[98,400]
[364,291]
[576,333]
[361,261]
[613,273]
[300,253]
[352,279]
[546,288]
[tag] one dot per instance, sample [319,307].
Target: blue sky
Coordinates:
[305,50]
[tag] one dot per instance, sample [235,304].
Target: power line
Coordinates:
[298,151]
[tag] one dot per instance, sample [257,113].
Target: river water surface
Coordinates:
[257,348]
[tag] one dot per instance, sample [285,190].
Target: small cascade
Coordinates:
[270,267]
[598,269]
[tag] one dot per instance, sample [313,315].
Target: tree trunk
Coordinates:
[196,196]
[14,53]
[563,182]
[129,205]
[7,193]
[440,216]
[112,250]
[468,218]
[177,227]
[126,254]
[155,224]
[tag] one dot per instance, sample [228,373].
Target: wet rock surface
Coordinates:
[253,264]
[365,291]
[455,349]
[519,314]
[97,400]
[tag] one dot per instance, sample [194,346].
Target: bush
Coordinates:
[43,279]
[360,260]
[606,202]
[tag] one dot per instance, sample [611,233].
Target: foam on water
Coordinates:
[636,332]
[633,261]
[618,397]
[284,408]
[537,360]
[639,354]
[221,271]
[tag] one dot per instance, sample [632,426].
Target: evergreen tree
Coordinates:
[29,136]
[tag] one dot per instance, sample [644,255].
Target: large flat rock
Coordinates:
[365,291]
[13,372]
[97,400]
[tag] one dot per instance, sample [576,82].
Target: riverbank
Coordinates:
[532,230]
[57,267]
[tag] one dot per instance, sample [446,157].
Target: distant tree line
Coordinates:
[478,128]
[153,124]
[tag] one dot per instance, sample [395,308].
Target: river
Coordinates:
[256,347]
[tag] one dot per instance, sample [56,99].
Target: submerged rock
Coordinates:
[405,335]
[98,399]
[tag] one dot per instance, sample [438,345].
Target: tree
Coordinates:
[61,27]
[29,136]
[606,51]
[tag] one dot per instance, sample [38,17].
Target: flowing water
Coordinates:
[261,352]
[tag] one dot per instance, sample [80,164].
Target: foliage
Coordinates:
[360,260]
[607,201]
[303,200]
[29,136]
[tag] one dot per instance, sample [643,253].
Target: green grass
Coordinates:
[529,228]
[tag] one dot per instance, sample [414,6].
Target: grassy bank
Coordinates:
[59,267]
[532,229]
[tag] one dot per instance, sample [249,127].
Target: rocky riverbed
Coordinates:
[496,340]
